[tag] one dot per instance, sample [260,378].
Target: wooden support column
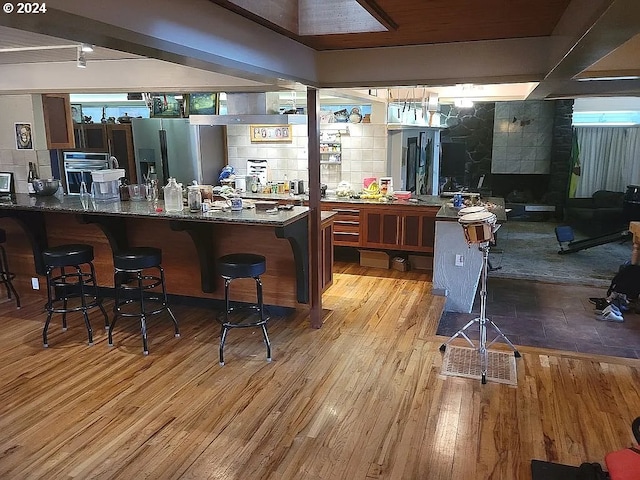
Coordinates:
[315,253]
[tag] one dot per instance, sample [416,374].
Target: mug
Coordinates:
[236,204]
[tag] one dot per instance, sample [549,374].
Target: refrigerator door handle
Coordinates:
[164,155]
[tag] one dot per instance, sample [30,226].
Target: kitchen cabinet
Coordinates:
[58,123]
[346,223]
[115,139]
[389,227]
[410,229]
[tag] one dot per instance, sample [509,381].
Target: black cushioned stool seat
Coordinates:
[147,292]
[6,276]
[242,265]
[66,279]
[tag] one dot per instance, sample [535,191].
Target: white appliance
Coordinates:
[259,168]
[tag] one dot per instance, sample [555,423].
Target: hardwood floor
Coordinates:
[361,398]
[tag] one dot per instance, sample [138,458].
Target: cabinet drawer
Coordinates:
[346,238]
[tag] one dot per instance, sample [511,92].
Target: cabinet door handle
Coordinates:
[340,210]
[347,222]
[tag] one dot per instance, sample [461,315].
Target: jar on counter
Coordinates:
[123,190]
[194,198]
[172,196]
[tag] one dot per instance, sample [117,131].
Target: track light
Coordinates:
[82,61]
[86,47]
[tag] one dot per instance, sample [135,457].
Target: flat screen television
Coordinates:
[453,159]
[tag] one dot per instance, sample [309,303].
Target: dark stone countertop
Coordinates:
[494,204]
[76,204]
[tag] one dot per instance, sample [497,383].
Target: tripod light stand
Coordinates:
[482,321]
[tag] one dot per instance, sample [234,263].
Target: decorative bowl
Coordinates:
[45,187]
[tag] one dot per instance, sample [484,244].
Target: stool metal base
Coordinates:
[65,286]
[227,323]
[6,277]
[142,295]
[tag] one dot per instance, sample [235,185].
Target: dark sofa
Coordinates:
[596,215]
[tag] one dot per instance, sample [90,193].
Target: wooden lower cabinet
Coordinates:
[346,224]
[394,228]
[389,227]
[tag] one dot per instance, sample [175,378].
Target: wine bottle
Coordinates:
[31,176]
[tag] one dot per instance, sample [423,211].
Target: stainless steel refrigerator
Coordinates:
[171,147]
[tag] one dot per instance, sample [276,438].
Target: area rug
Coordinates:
[529,251]
[465,362]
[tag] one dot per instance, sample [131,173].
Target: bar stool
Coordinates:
[242,265]
[63,285]
[129,266]
[6,276]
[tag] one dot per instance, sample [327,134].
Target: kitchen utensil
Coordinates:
[45,187]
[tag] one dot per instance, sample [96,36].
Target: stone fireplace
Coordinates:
[522,148]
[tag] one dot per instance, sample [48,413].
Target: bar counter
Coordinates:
[190,242]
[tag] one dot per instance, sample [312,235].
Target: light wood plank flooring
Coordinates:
[361,398]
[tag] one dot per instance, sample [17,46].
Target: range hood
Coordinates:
[250,108]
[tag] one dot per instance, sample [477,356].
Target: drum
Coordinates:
[467,210]
[478,227]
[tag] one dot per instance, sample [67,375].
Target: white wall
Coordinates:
[364,154]
[23,109]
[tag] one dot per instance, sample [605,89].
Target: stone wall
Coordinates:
[560,152]
[474,127]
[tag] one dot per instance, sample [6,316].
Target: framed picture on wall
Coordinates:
[24,139]
[270,133]
[76,112]
[202,104]
[166,106]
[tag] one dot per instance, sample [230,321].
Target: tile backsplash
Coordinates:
[522,137]
[364,153]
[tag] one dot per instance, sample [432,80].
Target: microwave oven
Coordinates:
[78,167]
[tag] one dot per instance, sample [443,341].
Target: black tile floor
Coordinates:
[551,315]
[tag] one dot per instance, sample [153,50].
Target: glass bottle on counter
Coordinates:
[31,176]
[172,196]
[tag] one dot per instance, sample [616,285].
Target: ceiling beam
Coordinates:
[378,13]
[615,26]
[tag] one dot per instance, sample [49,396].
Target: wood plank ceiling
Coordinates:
[416,22]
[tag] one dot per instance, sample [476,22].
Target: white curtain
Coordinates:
[609,159]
